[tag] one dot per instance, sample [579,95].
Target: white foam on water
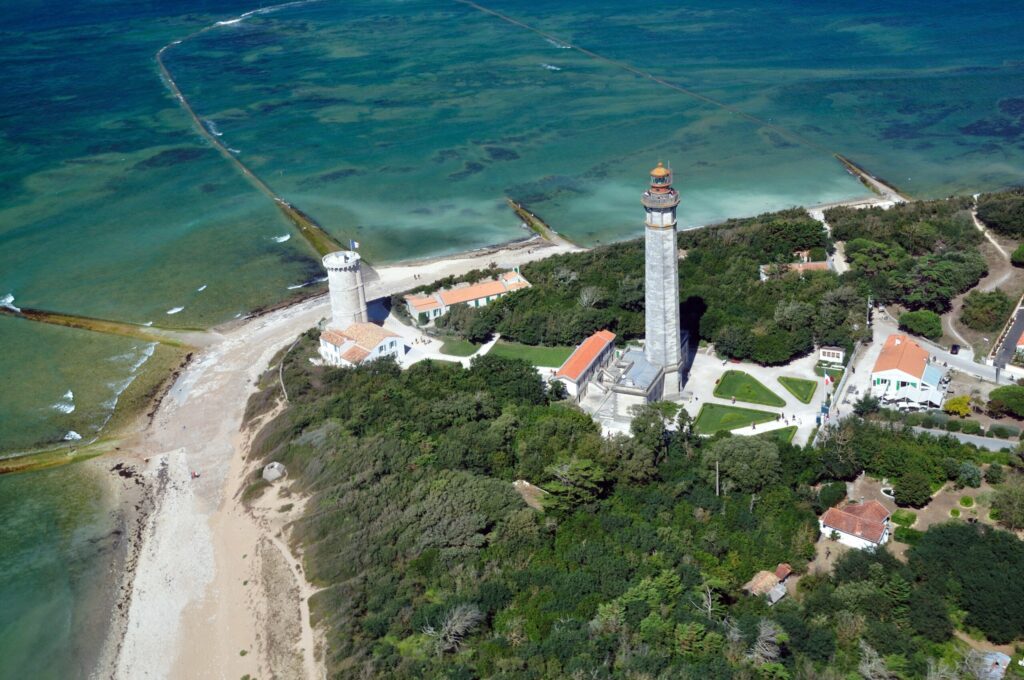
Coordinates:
[280,239]
[233,150]
[307,283]
[72,436]
[8,302]
[559,45]
[212,127]
[201,288]
[174,310]
[66,404]
[551,67]
[147,352]
[232,21]
[148,323]
[69,395]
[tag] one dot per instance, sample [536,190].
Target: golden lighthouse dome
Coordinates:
[660,171]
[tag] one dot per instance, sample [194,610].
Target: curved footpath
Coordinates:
[187,611]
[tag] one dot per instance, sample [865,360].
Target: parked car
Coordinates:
[954,349]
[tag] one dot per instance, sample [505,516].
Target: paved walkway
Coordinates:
[707,369]
[990,443]
[419,346]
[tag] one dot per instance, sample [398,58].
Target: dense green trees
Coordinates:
[1003,212]
[1008,400]
[986,311]
[430,563]
[920,255]
[922,322]
[969,564]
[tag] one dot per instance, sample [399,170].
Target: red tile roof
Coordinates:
[871,510]
[783,571]
[807,266]
[355,354]
[476,291]
[901,353]
[854,524]
[584,355]
[423,303]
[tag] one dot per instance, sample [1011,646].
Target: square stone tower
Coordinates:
[663,343]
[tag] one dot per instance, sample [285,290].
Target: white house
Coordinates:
[358,343]
[859,525]
[903,375]
[426,308]
[593,354]
[831,355]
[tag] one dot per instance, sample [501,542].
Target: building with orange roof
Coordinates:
[905,376]
[858,525]
[586,361]
[425,307]
[358,343]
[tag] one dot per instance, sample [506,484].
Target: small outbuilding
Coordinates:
[274,471]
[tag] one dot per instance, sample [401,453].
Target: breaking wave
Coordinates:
[551,67]
[307,283]
[66,404]
[201,288]
[8,302]
[559,45]
[280,239]
[72,436]
[175,310]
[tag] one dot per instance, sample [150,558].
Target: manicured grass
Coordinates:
[784,435]
[955,512]
[715,417]
[535,354]
[746,387]
[836,373]
[908,536]
[458,347]
[966,501]
[904,518]
[800,388]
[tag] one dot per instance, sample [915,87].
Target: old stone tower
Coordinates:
[663,343]
[345,282]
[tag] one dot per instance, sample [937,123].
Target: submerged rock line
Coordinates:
[308,228]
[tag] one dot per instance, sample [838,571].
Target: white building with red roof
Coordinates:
[858,525]
[426,307]
[586,361]
[904,375]
[358,343]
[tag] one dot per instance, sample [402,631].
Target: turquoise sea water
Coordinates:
[405,124]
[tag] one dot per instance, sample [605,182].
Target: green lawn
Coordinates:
[458,347]
[715,417]
[746,387]
[835,373]
[535,354]
[784,435]
[904,518]
[800,388]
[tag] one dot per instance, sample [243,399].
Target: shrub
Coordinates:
[831,494]
[971,427]
[866,405]
[959,405]
[953,426]
[1004,431]
[994,474]
[966,501]
[1017,258]
[1008,399]
[913,489]
[1003,212]
[969,475]
[986,311]
[922,322]
[954,513]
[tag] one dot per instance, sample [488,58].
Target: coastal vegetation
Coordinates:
[1003,212]
[920,255]
[430,564]
[923,322]
[986,311]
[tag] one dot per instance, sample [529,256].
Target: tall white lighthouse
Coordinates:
[345,282]
[663,343]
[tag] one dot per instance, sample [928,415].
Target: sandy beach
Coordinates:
[211,589]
